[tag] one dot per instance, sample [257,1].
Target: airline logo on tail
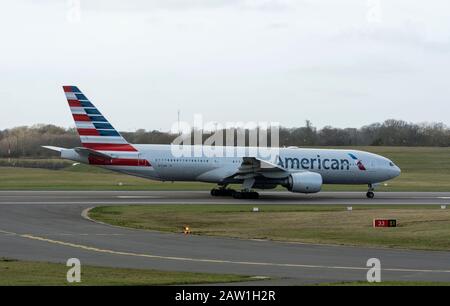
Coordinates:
[97,134]
[95,131]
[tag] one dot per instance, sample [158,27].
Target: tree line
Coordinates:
[26,141]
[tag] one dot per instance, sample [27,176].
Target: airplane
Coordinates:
[299,170]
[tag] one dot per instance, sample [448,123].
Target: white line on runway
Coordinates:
[7,233]
[216,261]
[139,197]
[225,201]
[84,234]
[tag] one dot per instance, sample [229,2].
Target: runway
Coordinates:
[48,226]
[203,197]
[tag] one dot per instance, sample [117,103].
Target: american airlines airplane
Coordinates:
[297,169]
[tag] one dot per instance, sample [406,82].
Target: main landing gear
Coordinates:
[370,193]
[222,192]
[247,192]
[225,192]
[245,195]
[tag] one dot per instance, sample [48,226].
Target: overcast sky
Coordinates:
[340,63]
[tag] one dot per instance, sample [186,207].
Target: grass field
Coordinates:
[26,273]
[419,227]
[30,273]
[388,283]
[83,177]
[423,169]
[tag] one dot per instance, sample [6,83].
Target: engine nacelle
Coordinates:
[304,182]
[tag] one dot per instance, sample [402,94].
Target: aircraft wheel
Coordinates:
[245,195]
[222,192]
[228,192]
[370,194]
[237,195]
[254,195]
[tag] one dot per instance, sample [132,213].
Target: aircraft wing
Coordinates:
[253,166]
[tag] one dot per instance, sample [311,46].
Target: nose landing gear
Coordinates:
[370,194]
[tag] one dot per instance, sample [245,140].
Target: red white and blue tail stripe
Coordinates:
[96,133]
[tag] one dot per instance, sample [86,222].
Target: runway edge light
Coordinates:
[186,230]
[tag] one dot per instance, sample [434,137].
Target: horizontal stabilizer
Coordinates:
[90,152]
[58,149]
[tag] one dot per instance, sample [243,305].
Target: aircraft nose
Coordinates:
[397,171]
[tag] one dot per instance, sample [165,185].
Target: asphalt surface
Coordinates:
[203,197]
[48,226]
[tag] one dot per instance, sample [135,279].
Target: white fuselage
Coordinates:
[298,170]
[335,166]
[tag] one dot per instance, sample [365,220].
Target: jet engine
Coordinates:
[304,182]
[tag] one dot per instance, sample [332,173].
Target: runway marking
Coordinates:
[205,201]
[84,234]
[217,261]
[7,233]
[139,197]
[260,277]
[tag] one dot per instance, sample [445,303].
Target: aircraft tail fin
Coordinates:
[96,133]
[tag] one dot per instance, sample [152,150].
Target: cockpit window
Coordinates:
[391,164]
